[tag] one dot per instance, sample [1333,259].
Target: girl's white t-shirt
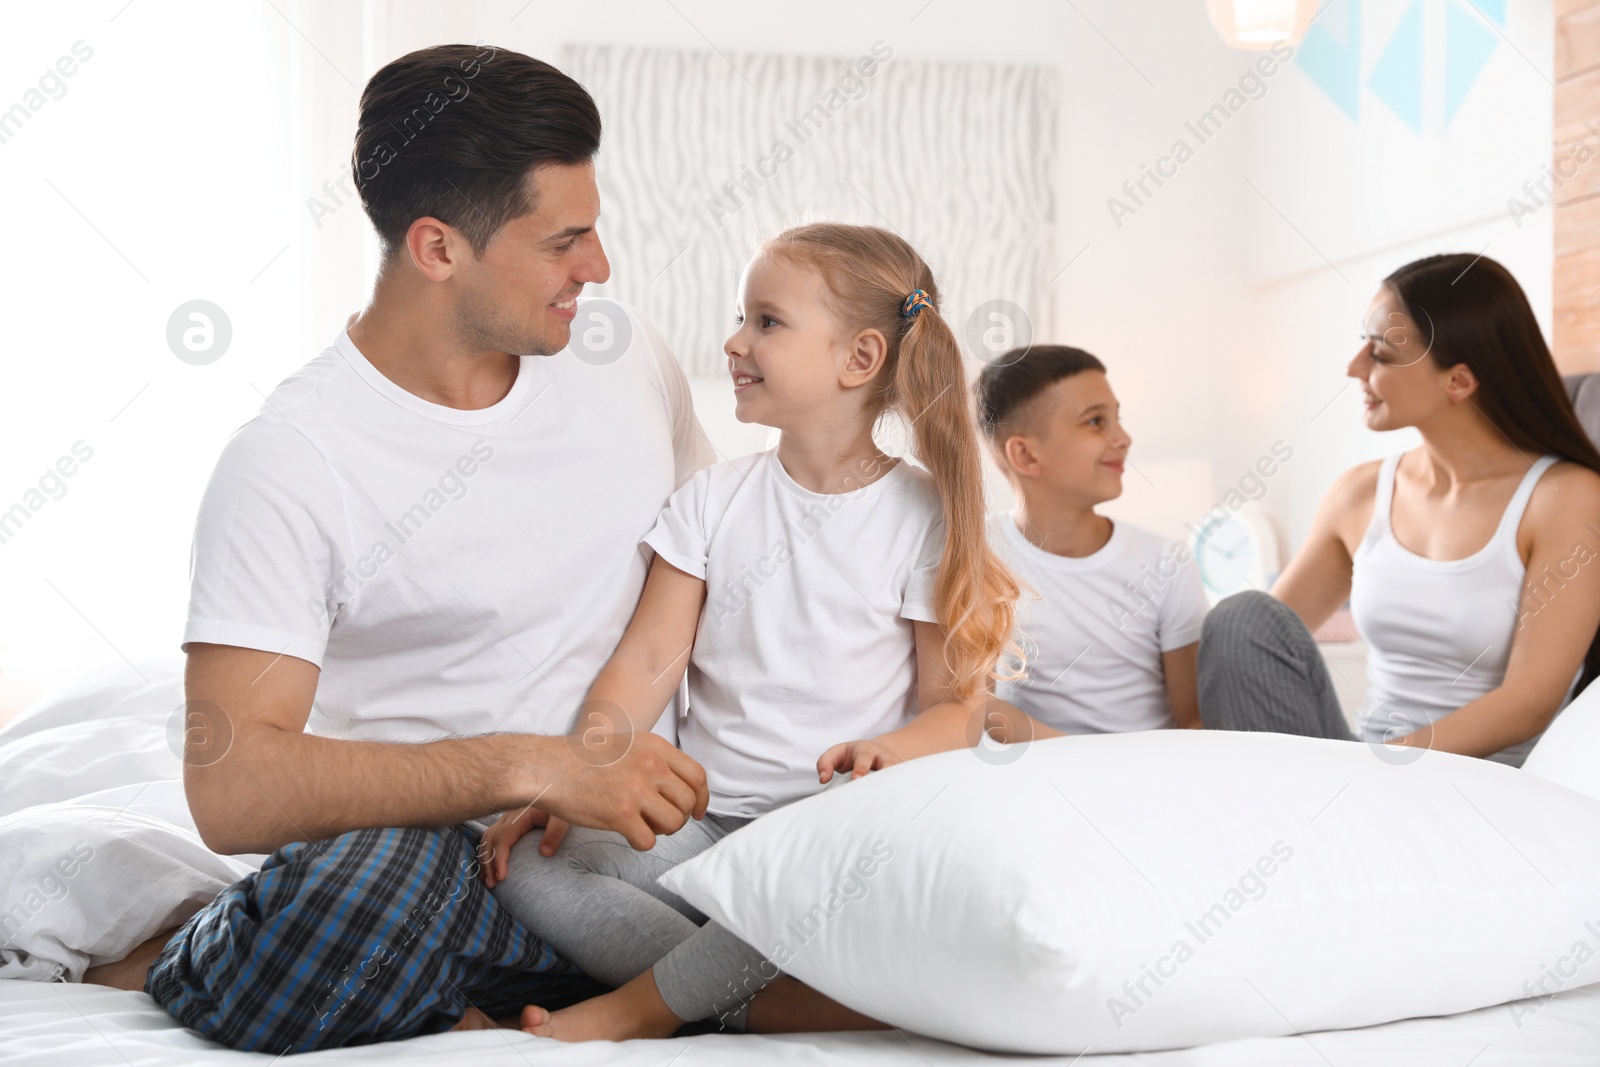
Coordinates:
[451,572]
[1094,634]
[806,637]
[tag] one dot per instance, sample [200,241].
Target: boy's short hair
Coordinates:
[1007,385]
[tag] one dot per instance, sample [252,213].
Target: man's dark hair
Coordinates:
[1015,378]
[453,131]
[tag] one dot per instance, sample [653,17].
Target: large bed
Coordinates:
[107,739]
[89,1026]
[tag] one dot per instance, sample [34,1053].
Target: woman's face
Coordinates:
[1402,383]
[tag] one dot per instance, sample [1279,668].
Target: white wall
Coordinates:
[1153,297]
[1342,202]
[158,175]
[1225,329]
[194,139]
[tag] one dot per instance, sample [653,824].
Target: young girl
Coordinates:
[817,592]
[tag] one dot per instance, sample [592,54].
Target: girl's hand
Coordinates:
[858,757]
[494,851]
[555,831]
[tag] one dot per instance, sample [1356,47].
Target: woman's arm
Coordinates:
[1181,668]
[1316,583]
[1559,613]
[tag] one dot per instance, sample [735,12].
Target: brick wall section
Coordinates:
[1576,162]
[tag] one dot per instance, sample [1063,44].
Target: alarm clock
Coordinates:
[1238,551]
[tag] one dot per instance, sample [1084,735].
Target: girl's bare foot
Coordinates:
[477,1020]
[130,971]
[634,1011]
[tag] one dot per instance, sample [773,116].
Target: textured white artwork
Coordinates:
[705,153]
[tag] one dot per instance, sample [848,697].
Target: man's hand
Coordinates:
[651,788]
[860,758]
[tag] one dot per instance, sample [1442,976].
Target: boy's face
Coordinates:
[1071,444]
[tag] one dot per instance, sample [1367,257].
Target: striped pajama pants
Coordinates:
[1260,669]
[370,936]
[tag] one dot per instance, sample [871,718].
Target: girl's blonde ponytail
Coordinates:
[878,281]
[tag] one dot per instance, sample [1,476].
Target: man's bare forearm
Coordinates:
[273,786]
[257,781]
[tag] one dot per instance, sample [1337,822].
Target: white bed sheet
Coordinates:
[53,1024]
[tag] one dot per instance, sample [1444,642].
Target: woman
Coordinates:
[1467,561]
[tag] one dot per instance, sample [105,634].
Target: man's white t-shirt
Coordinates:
[451,572]
[806,637]
[1095,633]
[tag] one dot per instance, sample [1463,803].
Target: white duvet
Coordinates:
[99,853]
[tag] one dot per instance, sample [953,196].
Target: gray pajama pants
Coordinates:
[597,903]
[1261,670]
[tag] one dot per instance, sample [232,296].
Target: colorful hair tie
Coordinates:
[915,303]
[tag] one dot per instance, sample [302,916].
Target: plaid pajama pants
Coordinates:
[370,936]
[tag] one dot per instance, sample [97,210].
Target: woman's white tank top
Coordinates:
[1438,631]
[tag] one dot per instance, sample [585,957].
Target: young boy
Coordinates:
[1111,639]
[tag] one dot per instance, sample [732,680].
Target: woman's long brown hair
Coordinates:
[1473,311]
[869,272]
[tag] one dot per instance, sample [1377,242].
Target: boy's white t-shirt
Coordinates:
[806,637]
[451,572]
[1095,633]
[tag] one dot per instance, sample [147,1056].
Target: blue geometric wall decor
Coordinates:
[1495,9]
[1396,77]
[1468,44]
[1330,54]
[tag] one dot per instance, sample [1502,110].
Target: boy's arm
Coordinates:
[1180,666]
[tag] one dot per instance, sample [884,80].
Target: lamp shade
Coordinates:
[1257,24]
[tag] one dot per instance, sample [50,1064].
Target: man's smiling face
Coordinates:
[518,296]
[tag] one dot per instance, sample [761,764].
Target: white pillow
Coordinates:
[86,881]
[1130,892]
[153,688]
[1569,750]
[64,762]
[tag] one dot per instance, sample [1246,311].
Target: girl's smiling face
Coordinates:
[788,355]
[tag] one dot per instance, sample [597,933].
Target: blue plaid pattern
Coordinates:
[370,936]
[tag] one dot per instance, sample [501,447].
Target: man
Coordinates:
[408,569]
